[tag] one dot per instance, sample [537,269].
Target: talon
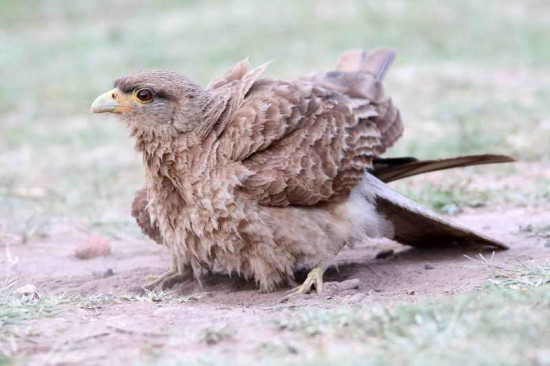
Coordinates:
[314,278]
[151,285]
[177,273]
[169,282]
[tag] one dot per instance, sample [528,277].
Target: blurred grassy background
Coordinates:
[471,76]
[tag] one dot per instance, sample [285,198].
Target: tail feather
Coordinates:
[391,169]
[416,225]
[376,62]
[350,60]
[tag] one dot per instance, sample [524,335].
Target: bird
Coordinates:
[265,177]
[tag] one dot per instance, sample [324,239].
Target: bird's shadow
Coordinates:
[351,265]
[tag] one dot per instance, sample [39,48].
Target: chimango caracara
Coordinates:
[265,177]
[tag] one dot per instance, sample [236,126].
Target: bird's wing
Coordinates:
[309,141]
[235,73]
[359,76]
[226,96]
[302,144]
[140,213]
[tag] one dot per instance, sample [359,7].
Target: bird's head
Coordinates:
[154,100]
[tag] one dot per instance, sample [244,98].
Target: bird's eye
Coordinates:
[145,95]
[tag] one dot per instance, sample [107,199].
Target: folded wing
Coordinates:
[309,141]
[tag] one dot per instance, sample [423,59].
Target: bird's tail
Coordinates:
[416,225]
[375,63]
[391,169]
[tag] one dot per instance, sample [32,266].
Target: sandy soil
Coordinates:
[139,330]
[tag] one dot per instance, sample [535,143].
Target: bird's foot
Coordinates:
[314,278]
[177,273]
[169,282]
[160,279]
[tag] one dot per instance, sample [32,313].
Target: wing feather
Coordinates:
[309,141]
[302,143]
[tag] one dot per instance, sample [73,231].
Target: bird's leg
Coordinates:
[178,273]
[196,272]
[173,270]
[183,273]
[314,278]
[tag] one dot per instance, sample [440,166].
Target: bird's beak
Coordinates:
[114,101]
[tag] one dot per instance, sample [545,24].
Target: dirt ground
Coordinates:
[125,330]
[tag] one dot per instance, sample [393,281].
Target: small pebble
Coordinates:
[384,254]
[93,246]
[357,297]
[108,273]
[428,266]
[411,292]
[349,284]
[28,292]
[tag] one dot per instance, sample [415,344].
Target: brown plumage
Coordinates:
[140,212]
[264,177]
[387,170]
